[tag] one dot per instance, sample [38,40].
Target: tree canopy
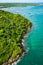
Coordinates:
[12,28]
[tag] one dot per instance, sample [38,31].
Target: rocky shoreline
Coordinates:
[19,56]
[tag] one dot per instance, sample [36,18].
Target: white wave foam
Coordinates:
[27,49]
[15,63]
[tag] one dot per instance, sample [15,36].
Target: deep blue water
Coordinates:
[34,41]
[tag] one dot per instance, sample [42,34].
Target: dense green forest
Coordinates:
[18,4]
[12,29]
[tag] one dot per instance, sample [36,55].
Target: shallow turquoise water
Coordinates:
[34,41]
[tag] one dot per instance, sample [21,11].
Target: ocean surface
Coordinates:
[34,40]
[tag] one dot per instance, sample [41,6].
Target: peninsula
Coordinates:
[12,29]
[6,5]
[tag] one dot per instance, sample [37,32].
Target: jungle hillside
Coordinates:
[12,29]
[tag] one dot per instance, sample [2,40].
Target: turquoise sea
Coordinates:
[34,41]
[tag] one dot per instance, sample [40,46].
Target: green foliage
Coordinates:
[12,28]
[4,5]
